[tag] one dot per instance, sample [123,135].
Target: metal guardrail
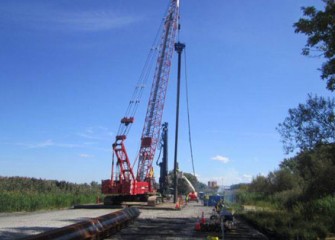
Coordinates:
[94,228]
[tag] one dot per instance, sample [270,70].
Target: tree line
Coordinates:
[25,184]
[297,201]
[183,188]
[31,194]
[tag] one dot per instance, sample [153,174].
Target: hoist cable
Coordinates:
[141,83]
[188,114]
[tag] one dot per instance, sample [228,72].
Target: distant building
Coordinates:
[212,184]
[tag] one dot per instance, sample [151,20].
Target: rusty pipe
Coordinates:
[94,228]
[113,222]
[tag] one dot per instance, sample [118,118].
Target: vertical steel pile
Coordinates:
[94,228]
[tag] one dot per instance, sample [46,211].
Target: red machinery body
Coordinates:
[193,196]
[124,181]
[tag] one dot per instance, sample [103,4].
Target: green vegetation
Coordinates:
[309,124]
[31,194]
[319,28]
[297,201]
[183,187]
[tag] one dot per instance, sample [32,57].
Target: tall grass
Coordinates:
[17,201]
[305,220]
[26,194]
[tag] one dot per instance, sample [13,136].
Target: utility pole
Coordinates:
[179,49]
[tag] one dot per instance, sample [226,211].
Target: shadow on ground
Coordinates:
[22,232]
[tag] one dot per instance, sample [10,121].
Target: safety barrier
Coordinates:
[94,228]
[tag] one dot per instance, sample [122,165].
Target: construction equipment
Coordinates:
[91,228]
[213,200]
[193,195]
[125,184]
[164,175]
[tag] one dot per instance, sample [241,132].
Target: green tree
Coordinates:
[289,164]
[183,187]
[308,125]
[322,185]
[202,187]
[282,180]
[314,171]
[259,184]
[319,26]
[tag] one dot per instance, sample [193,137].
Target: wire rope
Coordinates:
[188,113]
[141,83]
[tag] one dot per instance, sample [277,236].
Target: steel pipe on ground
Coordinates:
[94,228]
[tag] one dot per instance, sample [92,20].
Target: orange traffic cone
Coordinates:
[197,226]
[177,205]
[203,220]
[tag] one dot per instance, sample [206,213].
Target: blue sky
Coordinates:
[68,69]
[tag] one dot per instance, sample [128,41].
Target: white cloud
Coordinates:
[96,133]
[46,143]
[228,177]
[246,177]
[221,158]
[48,16]
[84,155]
[49,143]
[93,21]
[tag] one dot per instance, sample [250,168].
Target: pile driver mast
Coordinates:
[164,172]
[125,184]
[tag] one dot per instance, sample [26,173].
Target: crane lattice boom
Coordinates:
[125,182]
[153,119]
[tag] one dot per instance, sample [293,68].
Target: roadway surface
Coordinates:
[18,225]
[164,223]
[173,225]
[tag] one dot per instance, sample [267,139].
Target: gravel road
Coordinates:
[18,225]
[177,225]
[168,224]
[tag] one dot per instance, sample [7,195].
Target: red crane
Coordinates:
[125,184]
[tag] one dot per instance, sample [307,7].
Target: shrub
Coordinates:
[29,194]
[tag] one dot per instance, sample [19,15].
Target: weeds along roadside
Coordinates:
[29,194]
[305,220]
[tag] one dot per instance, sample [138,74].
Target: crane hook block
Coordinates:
[121,137]
[127,121]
